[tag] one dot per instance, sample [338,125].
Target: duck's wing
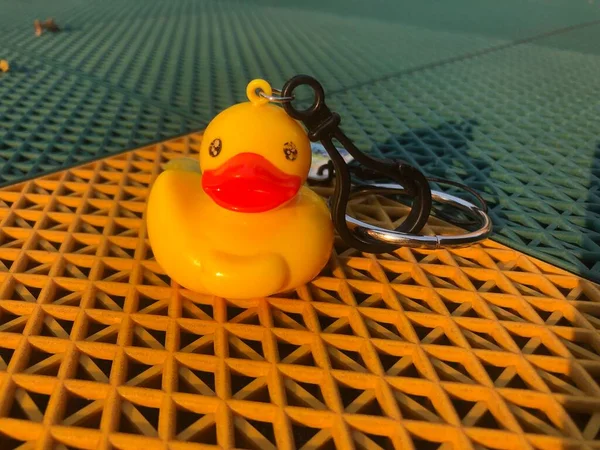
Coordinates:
[183,164]
[237,276]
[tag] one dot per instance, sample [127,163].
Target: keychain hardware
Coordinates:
[325,174]
[278,98]
[323,125]
[418,241]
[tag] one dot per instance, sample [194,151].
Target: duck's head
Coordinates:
[254,157]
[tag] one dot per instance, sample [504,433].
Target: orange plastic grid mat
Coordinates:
[474,348]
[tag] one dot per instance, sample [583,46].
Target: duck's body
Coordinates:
[231,254]
[245,227]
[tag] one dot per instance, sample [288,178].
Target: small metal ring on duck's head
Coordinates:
[275,98]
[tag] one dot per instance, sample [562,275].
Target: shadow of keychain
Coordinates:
[323,126]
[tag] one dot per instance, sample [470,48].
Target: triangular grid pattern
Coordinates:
[475,348]
[500,96]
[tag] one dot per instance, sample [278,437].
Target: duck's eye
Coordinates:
[290,151]
[215,147]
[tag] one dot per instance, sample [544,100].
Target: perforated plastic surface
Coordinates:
[502,94]
[50,118]
[476,348]
[509,130]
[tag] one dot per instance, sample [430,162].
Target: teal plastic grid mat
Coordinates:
[197,56]
[50,119]
[502,124]
[502,95]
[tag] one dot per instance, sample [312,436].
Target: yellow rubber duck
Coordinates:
[243,226]
[4,67]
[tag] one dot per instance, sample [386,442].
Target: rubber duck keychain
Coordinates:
[241,224]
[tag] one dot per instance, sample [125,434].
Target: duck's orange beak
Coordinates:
[249,183]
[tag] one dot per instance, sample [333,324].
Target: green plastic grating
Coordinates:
[502,95]
[51,119]
[504,126]
[197,56]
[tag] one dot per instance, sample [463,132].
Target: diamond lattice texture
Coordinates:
[475,348]
[510,131]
